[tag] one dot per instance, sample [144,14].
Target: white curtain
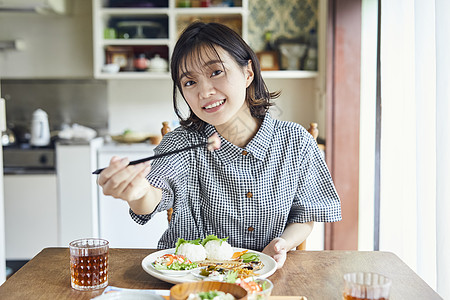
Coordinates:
[443,146]
[415,137]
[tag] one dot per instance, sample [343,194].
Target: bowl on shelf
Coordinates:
[110,68]
[182,291]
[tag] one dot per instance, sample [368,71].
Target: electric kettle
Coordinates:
[40,131]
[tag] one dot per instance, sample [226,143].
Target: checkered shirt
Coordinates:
[247,194]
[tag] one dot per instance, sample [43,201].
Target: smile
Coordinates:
[215,104]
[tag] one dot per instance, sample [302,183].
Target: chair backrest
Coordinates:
[165,129]
[314,131]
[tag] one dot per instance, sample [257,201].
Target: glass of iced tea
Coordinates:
[366,285]
[89,263]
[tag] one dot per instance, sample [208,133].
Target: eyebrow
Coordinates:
[211,62]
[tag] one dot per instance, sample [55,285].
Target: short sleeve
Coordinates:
[166,173]
[316,198]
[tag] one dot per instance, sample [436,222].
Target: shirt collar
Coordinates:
[257,147]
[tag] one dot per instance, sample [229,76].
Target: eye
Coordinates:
[217,72]
[189,83]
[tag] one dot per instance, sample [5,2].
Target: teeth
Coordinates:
[214,104]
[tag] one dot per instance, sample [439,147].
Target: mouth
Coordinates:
[214,104]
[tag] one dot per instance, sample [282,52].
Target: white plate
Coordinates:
[270,266]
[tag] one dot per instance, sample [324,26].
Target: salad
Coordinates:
[211,295]
[174,263]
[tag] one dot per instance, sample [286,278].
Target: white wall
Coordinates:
[142,105]
[139,105]
[297,102]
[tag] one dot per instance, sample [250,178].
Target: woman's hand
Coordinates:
[122,181]
[277,250]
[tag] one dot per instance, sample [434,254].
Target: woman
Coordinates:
[263,188]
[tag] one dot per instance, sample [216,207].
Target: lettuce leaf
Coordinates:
[249,256]
[213,238]
[181,241]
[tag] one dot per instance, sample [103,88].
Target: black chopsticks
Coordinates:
[135,162]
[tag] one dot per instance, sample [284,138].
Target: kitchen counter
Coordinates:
[121,147]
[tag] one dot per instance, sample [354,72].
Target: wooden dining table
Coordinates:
[313,274]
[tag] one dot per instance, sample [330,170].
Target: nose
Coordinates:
[206,89]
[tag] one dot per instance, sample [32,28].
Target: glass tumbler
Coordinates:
[267,286]
[366,285]
[89,263]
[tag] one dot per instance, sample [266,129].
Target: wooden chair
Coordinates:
[313,130]
[165,129]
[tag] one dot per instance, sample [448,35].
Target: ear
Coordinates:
[249,74]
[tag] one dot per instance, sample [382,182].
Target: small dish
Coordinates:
[265,293]
[111,68]
[182,291]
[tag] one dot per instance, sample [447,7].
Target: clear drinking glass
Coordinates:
[89,263]
[267,286]
[366,285]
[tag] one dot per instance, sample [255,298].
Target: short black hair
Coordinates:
[199,36]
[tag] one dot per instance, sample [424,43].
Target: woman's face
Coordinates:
[215,89]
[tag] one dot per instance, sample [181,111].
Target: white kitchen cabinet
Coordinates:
[77,190]
[116,224]
[31,214]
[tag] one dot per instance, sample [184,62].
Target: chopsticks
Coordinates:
[135,162]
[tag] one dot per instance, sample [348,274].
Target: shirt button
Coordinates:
[251,228]
[244,152]
[249,195]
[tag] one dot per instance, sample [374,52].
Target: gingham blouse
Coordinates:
[247,194]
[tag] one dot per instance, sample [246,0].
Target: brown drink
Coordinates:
[89,264]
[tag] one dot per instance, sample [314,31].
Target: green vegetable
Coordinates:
[127,131]
[176,266]
[205,272]
[209,295]
[213,238]
[249,256]
[231,277]
[182,241]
